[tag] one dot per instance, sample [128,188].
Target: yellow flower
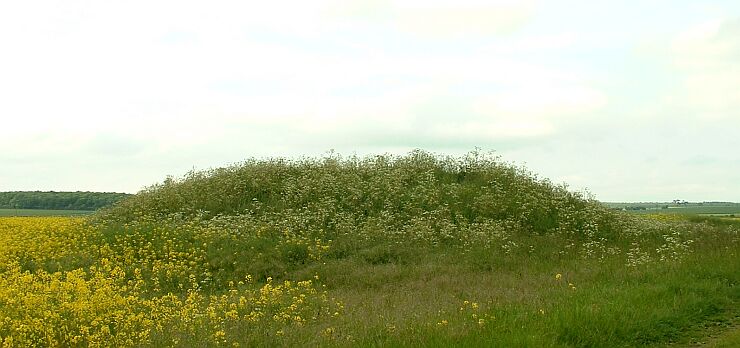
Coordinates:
[329,332]
[219,335]
[558,276]
[122,285]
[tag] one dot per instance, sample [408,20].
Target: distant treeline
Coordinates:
[58,200]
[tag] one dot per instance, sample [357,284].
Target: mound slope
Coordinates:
[339,195]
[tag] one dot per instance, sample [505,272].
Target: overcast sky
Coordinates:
[634,100]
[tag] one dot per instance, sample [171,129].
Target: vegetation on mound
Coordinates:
[382,251]
[397,193]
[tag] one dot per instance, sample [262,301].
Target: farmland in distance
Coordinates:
[43,212]
[689,208]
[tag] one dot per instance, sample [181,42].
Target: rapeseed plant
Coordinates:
[112,302]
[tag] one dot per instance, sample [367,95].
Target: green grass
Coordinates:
[42,212]
[413,238]
[424,250]
[612,305]
[399,295]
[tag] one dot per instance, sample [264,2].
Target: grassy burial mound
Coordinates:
[378,251]
[418,197]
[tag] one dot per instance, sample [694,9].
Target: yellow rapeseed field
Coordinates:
[64,282]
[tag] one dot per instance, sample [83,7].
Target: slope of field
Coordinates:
[417,250]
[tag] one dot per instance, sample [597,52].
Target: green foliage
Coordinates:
[425,250]
[58,200]
[416,191]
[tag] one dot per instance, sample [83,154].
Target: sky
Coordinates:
[631,100]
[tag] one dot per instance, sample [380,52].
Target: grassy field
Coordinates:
[384,251]
[714,209]
[42,212]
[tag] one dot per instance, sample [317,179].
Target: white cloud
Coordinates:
[495,129]
[456,20]
[707,55]
[542,101]
[110,67]
[440,19]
